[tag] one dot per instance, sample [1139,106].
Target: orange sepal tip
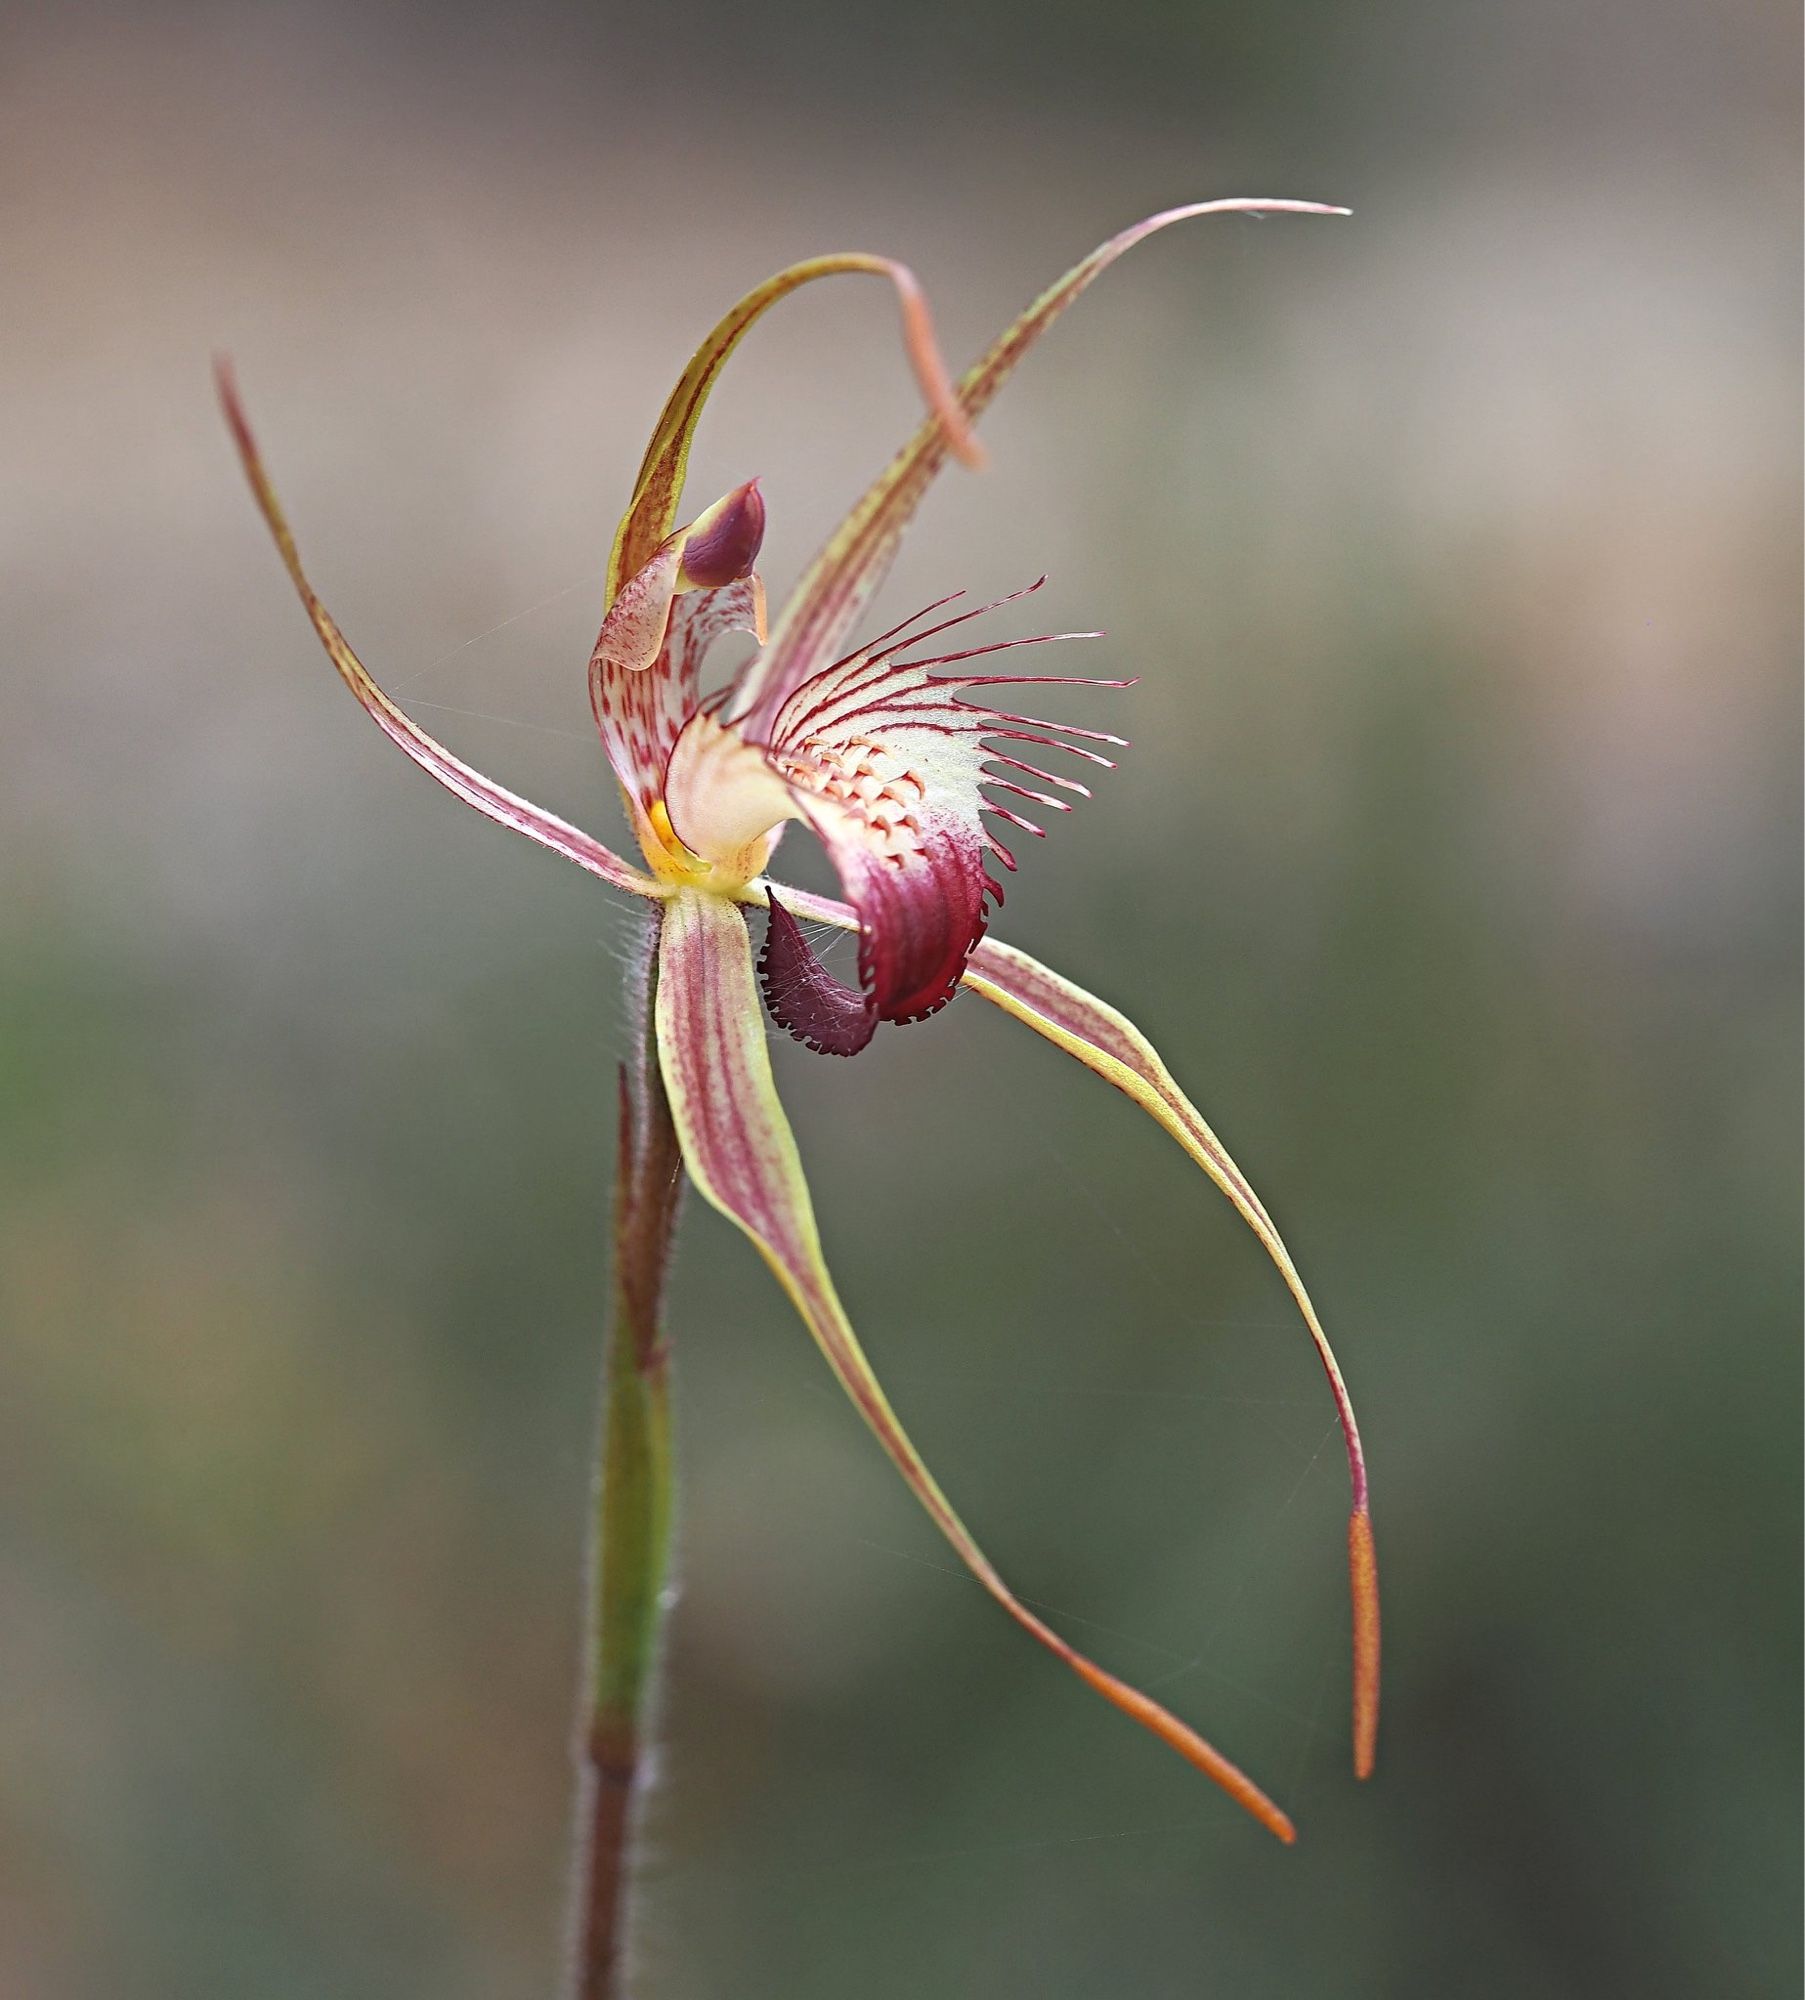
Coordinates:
[1363,1580]
[1185,1740]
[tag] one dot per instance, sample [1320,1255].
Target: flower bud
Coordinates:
[723,544]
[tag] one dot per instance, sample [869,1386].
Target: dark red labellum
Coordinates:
[804,998]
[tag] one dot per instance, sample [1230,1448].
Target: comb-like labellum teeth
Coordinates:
[725,541]
[887,759]
[1047,777]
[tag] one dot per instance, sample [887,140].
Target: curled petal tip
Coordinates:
[1259,205]
[225,384]
[724,543]
[1363,1578]
[931,375]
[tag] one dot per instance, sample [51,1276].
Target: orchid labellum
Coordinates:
[898,752]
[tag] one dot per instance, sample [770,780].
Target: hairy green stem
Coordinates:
[632,1521]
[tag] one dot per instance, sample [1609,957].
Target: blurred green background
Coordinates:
[1455,870]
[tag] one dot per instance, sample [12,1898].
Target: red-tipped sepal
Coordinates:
[652,512]
[1109,1043]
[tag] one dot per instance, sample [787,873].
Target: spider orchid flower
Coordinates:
[889,755]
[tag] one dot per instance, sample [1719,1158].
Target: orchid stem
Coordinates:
[632,1520]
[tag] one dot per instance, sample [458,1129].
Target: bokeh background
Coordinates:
[1455,869]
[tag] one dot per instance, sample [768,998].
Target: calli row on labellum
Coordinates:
[894,759]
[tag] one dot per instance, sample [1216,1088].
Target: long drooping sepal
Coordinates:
[658,491]
[452,772]
[1115,1048]
[842,578]
[1108,1042]
[739,1151]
